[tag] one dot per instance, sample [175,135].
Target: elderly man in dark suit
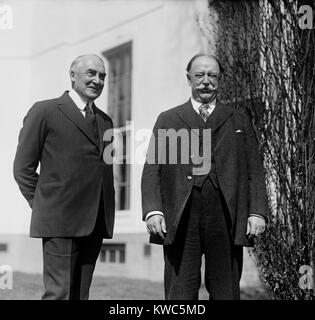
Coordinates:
[215,209]
[72,198]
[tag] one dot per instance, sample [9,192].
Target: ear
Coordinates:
[188,79]
[72,75]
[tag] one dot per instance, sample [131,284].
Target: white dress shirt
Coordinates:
[78,101]
[196,105]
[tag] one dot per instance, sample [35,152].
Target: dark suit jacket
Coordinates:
[65,196]
[167,187]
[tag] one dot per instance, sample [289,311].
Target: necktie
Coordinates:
[90,118]
[204,111]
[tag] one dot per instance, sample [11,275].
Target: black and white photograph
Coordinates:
[157,150]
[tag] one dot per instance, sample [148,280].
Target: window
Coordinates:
[3,247]
[113,253]
[147,250]
[119,108]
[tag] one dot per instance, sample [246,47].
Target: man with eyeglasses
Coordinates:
[72,197]
[212,210]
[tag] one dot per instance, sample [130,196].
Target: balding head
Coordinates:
[87,74]
[199,55]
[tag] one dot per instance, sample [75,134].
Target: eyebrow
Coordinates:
[94,71]
[211,73]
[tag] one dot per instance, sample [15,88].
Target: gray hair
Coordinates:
[78,59]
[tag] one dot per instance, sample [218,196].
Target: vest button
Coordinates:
[189,177]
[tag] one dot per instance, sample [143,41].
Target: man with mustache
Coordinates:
[212,212]
[72,198]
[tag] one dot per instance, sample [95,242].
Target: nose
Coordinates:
[206,80]
[96,79]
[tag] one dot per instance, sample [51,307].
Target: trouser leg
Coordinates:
[183,260]
[89,251]
[69,264]
[222,259]
[60,256]
[204,229]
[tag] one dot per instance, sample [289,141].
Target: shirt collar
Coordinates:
[197,104]
[81,104]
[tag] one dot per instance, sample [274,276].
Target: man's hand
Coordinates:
[255,226]
[156,225]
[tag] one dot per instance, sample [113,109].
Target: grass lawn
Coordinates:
[29,287]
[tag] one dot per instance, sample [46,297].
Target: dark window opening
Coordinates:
[113,253]
[3,247]
[147,250]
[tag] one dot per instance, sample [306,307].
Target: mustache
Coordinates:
[208,89]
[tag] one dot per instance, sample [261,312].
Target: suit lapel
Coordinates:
[190,117]
[219,115]
[72,112]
